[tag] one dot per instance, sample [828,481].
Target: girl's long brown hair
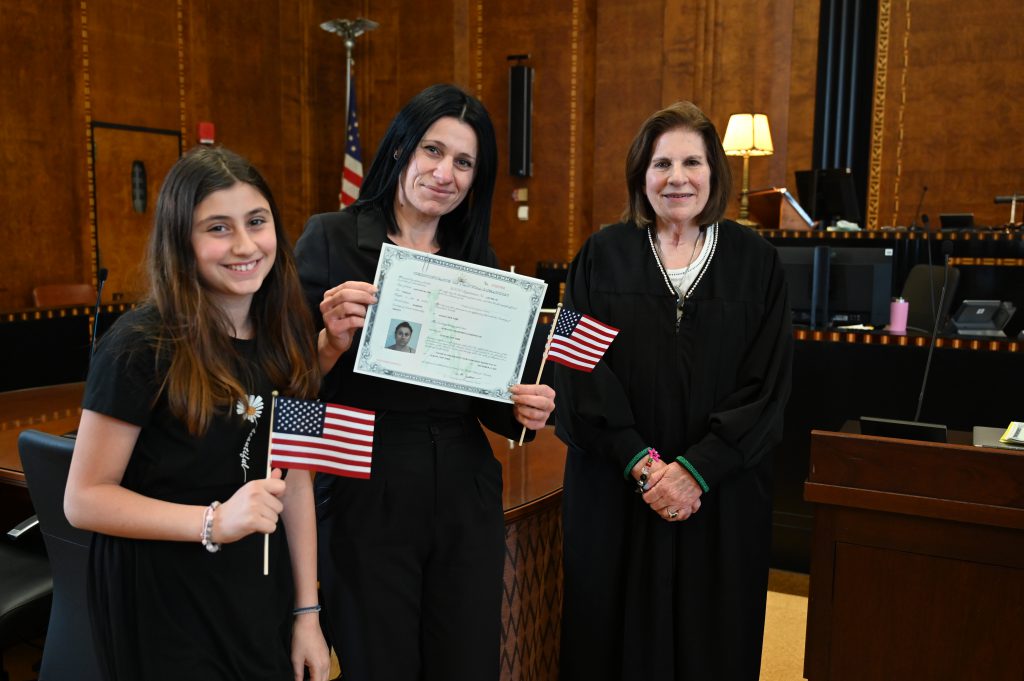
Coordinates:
[204,372]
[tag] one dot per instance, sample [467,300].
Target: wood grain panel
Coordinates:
[133,47]
[957,132]
[42,135]
[240,88]
[627,89]
[979,607]
[121,232]
[545,32]
[803,72]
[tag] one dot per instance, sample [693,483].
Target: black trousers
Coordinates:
[411,560]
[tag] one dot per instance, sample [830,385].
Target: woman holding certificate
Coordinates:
[411,569]
[667,498]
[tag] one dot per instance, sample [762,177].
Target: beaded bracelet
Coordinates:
[207,535]
[645,470]
[308,608]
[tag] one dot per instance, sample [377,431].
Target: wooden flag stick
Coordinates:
[270,449]
[547,347]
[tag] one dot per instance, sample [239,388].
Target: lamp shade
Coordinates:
[748,135]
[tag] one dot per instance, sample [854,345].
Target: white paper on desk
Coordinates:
[471,325]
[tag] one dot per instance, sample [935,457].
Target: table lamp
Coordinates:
[747,135]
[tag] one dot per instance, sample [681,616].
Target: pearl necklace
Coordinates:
[681,301]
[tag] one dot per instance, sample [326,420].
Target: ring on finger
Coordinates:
[673,514]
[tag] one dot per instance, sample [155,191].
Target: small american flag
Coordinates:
[580,341]
[319,436]
[352,173]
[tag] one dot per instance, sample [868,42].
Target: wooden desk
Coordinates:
[531,609]
[52,409]
[49,346]
[841,375]
[917,567]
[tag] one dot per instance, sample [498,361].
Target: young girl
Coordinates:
[169,466]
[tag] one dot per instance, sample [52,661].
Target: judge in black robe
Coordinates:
[657,591]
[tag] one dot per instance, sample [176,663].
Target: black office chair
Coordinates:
[26,588]
[923,282]
[69,652]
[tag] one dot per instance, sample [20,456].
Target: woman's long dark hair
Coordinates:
[465,231]
[193,339]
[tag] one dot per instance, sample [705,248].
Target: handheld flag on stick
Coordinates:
[318,436]
[579,341]
[576,341]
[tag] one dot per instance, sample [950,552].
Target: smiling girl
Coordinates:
[173,437]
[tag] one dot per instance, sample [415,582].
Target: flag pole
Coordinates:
[543,359]
[270,448]
[349,30]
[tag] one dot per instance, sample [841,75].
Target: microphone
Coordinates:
[920,203]
[101,278]
[947,249]
[928,252]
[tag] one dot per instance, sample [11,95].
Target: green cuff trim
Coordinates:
[693,471]
[628,473]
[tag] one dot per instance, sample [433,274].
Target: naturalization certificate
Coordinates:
[449,324]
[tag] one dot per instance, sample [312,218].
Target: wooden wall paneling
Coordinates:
[426,52]
[585,216]
[121,232]
[774,88]
[803,73]
[326,100]
[296,25]
[689,44]
[956,132]
[42,149]
[133,47]
[238,84]
[627,89]
[750,59]
[547,33]
[196,81]
[377,65]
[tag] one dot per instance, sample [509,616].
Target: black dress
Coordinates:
[644,598]
[172,610]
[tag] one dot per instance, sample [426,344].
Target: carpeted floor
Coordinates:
[782,658]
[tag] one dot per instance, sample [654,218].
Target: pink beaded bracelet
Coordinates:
[645,470]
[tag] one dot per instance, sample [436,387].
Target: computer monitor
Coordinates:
[860,286]
[828,194]
[838,286]
[956,220]
[907,430]
[807,280]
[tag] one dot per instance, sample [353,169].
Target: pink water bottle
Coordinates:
[898,309]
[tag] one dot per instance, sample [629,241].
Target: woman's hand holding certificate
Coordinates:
[344,311]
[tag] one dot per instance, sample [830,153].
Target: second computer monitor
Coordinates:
[828,194]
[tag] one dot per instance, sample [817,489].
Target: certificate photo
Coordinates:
[448,324]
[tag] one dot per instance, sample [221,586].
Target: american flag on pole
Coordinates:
[352,173]
[319,436]
[579,341]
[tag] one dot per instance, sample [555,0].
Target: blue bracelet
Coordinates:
[309,608]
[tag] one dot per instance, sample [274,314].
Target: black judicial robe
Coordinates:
[646,599]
